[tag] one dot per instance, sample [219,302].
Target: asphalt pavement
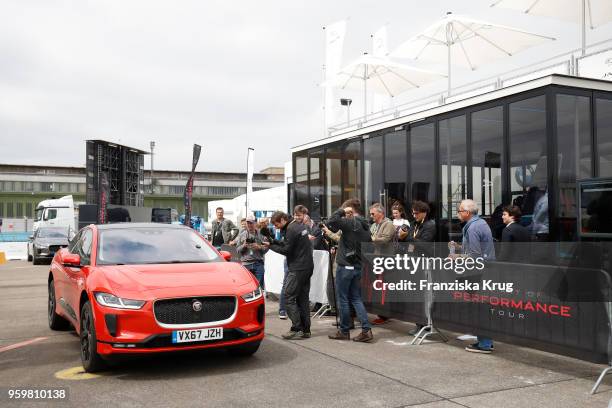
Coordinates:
[307,373]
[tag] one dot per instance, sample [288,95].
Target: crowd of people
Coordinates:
[296,236]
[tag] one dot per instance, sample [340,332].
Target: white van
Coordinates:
[56,213]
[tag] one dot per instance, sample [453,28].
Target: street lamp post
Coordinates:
[347,103]
[152,144]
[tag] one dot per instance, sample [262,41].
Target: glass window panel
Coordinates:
[453,171]
[396,182]
[316,183]
[373,169]
[19,211]
[352,170]
[18,186]
[604,136]
[528,163]
[487,165]
[333,177]
[9,210]
[422,163]
[573,156]
[301,179]
[29,210]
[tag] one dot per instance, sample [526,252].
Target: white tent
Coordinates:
[262,202]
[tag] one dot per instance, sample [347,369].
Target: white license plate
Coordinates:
[187,336]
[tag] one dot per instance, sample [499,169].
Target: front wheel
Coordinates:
[90,358]
[245,350]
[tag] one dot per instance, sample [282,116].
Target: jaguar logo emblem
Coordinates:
[197,305]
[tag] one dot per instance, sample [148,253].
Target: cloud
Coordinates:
[224,74]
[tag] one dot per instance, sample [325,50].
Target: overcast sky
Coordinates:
[223,74]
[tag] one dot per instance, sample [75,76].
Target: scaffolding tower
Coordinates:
[124,167]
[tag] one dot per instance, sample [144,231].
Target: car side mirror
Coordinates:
[31,237]
[226,255]
[69,259]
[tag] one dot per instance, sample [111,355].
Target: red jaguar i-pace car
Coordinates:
[148,288]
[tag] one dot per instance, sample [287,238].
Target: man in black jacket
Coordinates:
[298,251]
[513,232]
[355,230]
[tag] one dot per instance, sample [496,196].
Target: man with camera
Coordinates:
[222,229]
[355,230]
[298,250]
[250,246]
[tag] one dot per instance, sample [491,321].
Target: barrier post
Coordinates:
[609,313]
[2,258]
[429,329]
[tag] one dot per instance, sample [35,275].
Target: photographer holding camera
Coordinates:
[250,246]
[400,222]
[355,230]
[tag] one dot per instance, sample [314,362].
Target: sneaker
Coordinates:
[417,329]
[475,348]
[293,335]
[379,321]
[476,344]
[282,315]
[340,336]
[364,337]
[306,335]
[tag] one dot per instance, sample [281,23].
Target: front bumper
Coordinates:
[137,331]
[161,343]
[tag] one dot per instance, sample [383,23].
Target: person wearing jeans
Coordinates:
[477,242]
[348,286]
[355,230]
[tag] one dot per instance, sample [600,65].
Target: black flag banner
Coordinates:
[189,187]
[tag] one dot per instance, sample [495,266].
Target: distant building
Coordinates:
[24,186]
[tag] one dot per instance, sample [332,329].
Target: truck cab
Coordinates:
[55,213]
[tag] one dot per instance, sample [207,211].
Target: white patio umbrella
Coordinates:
[381,75]
[464,41]
[588,12]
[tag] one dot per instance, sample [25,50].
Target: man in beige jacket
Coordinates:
[382,231]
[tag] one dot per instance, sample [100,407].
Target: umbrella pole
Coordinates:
[449,42]
[448,72]
[365,92]
[583,27]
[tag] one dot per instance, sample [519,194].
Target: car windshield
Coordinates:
[153,245]
[53,233]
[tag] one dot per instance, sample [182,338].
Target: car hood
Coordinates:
[176,280]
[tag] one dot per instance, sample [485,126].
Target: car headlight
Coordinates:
[108,300]
[40,246]
[254,295]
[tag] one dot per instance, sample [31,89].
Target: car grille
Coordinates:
[180,311]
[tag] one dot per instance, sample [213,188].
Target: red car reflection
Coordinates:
[146,288]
